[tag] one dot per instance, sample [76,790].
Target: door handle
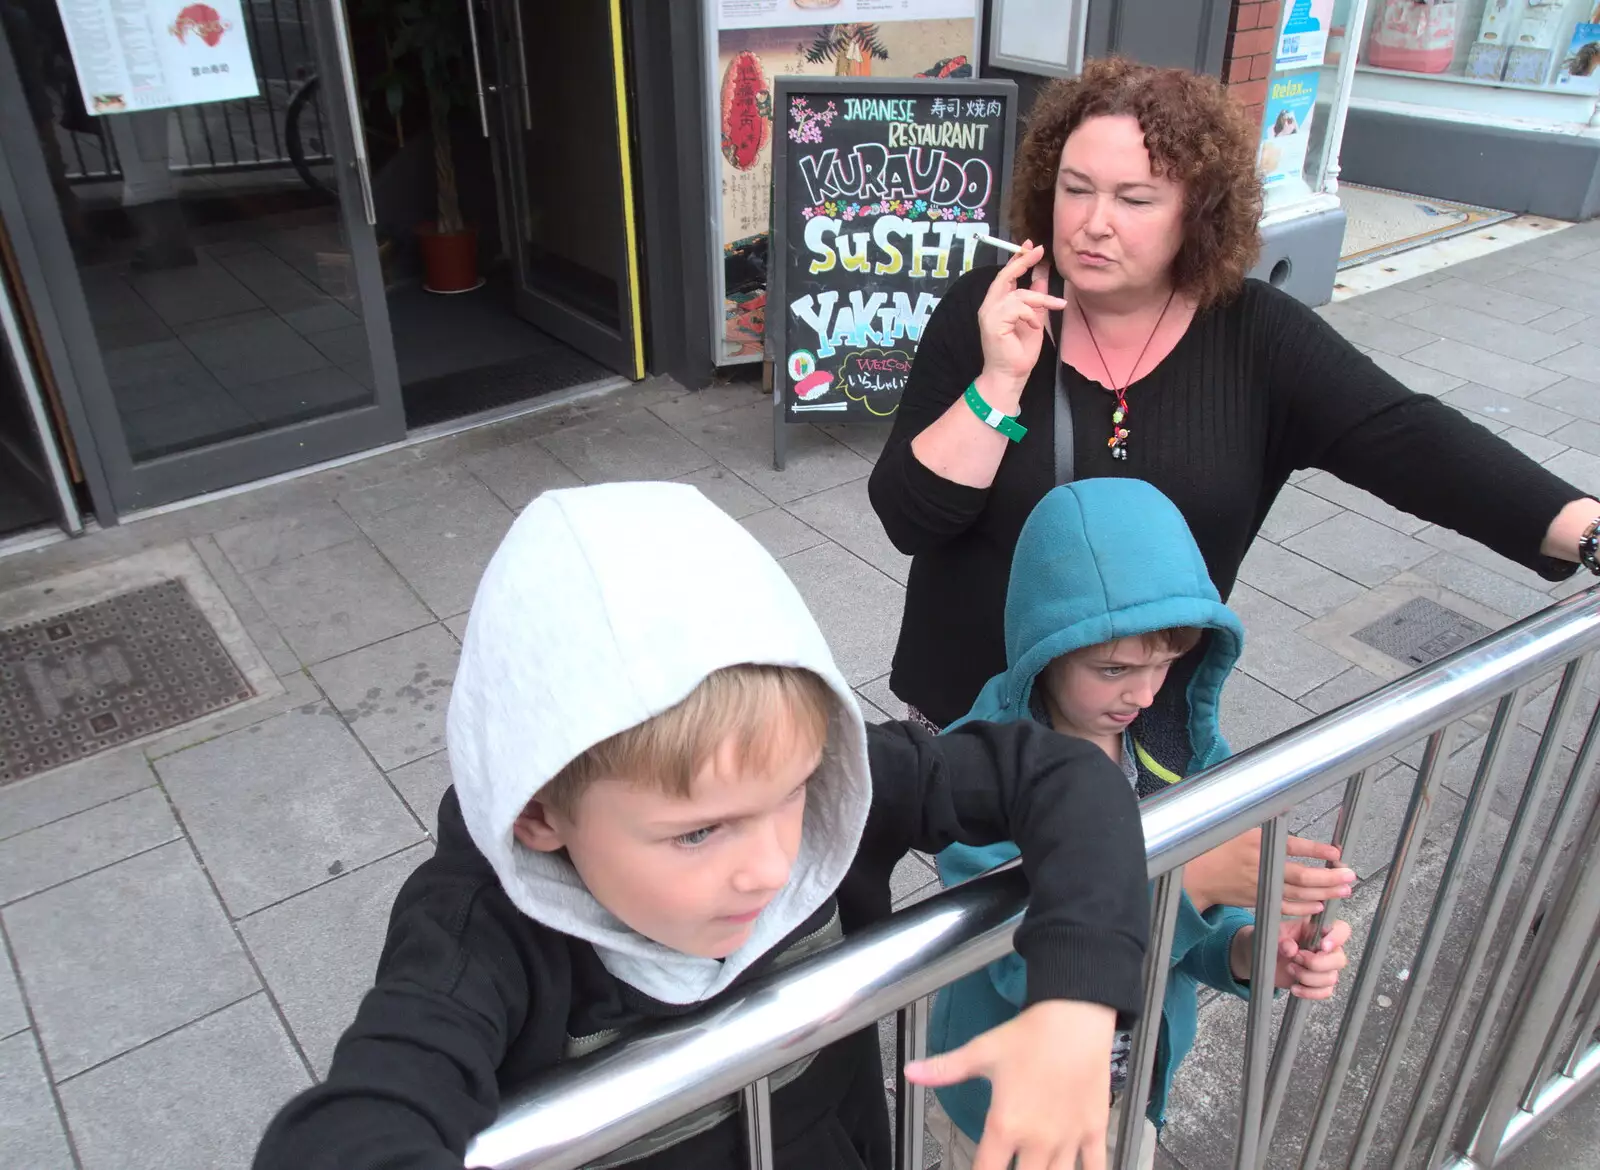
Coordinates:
[477,67]
[522,60]
[352,101]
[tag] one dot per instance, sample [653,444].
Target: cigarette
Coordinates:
[1003,245]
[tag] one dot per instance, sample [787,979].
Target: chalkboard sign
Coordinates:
[881,190]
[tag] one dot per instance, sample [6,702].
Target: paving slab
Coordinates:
[727,491]
[781,533]
[1294,511]
[857,607]
[1360,549]
[319,951]
[913,880]
[268,833]
[1374,332]
[13,1013]
[123,955]
[260,544]
[394,695]
[51,796]
[101,836]
[1579,468]
[1483,404]
[1346,688]
[878,693]
[518,472]
[741,440]
[1579,397]
[1470,363]
[1416,377]
[635,445]
[1482,585]
[691,406]
[844,514]
[1536,447]
[31,1137]
[1499,300]
[441,544]
[1450,541]
[1294,580]
[1253,712]
[422,784]
[1525,342]
[198,1099]
[1335,491]
[330,602]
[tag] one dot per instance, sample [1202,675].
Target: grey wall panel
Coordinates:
[1540,174]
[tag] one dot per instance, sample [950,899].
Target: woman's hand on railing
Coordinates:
[1305,972]
[1050,1070]
[1227,876]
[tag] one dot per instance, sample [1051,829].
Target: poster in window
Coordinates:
[1304,40]
[1286,128]
[1580,70]
[150,55]
[759,40]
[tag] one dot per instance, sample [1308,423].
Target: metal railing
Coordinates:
[1526,1014]
[237,135]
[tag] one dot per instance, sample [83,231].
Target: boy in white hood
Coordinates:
[663,788]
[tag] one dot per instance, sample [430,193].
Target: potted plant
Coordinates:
[425,41]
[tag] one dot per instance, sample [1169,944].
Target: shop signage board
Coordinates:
[882,188]
[751,42]
[141,55]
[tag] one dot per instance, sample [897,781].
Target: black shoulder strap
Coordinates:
[1063,408]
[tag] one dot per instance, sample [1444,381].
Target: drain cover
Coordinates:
[1421,631]
[89,679]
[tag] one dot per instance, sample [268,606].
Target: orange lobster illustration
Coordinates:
[202,20]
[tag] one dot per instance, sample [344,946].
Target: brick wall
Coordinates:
[1252,37]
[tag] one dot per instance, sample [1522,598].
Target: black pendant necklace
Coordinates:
[1119,412]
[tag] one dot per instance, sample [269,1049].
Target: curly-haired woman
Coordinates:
[1133,345]
[1172,367]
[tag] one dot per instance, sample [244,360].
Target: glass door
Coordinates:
[562,110]
[199,198]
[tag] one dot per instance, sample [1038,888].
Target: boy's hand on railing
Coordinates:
[1306,972]
[1050,1070]
[1227,875]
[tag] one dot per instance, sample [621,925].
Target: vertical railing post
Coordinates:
[910,1101]
[1569,926]
[1575,799]
[1165,897]
[1263,978]
[756,1101]
[1406,851]
[1352,811]
[1473,819]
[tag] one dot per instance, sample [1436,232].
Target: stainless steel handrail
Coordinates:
[581,1111]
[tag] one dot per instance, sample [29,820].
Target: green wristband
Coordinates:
[1006,424]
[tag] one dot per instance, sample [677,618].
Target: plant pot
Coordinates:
[449,259]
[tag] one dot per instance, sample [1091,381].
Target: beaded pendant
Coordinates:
[1118,442]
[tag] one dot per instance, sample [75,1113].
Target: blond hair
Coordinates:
[667,750]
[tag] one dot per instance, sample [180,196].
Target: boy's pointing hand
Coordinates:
[1050,1069]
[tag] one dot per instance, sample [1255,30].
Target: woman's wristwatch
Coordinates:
[1589,547]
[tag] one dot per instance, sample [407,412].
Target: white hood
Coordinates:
[603,607]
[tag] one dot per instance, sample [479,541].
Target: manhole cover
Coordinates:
[92,678]
[1421,631]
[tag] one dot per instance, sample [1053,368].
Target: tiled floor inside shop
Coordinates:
[188,923]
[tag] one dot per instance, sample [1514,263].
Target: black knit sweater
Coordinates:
[1257,388]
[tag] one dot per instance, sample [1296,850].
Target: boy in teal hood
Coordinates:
[1107,591]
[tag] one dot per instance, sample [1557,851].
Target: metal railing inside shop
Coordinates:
[240,134]
[1498,970]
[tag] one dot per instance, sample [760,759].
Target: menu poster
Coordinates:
[1286,127]
[151,55]
[1580,70]
[786,13]
[882,191]
[897,43]
[1304,40]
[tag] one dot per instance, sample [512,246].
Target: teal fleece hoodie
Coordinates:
[1098,560]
